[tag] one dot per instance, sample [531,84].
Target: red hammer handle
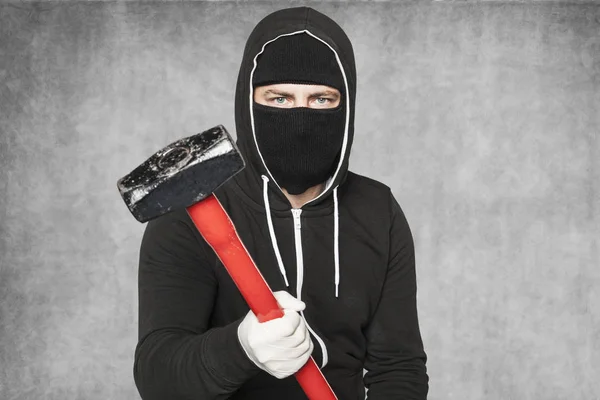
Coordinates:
[218,230]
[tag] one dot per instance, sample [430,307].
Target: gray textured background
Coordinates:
[483,117]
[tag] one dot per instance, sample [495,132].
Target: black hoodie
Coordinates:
[348,254]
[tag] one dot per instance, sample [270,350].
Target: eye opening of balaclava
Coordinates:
[300,146]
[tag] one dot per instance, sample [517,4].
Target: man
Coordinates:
[334,246]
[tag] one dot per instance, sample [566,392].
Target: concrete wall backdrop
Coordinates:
[483,118]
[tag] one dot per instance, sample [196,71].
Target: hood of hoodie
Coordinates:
[281,23]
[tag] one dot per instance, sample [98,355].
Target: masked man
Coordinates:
[334,246]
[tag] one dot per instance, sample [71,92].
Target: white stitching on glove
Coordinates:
[280,346]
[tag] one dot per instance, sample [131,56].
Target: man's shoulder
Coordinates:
[364,192]
[366,184]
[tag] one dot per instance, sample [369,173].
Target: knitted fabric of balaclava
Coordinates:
[300,146]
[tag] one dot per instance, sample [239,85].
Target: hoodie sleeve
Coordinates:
[395,359]
[178,356]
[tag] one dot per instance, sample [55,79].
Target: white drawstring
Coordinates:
[271,230]
[336,239]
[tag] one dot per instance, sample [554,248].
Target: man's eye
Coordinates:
[324,100]
[279,100]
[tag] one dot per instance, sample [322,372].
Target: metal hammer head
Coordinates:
[181,174]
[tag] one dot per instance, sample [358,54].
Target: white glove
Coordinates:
[280,346]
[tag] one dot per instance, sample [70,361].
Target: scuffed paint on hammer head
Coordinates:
[181,174]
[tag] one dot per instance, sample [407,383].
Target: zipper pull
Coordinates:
[296,213]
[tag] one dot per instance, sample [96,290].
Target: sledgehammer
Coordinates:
[184,175]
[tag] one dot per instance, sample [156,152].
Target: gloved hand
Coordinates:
[280,346]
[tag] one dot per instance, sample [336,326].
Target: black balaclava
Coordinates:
[300,146]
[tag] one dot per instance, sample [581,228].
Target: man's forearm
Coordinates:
[409,381]
[175,364]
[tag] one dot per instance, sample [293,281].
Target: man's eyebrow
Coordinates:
[278,92]
[325,93]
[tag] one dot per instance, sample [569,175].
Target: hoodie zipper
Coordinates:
[300,276]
